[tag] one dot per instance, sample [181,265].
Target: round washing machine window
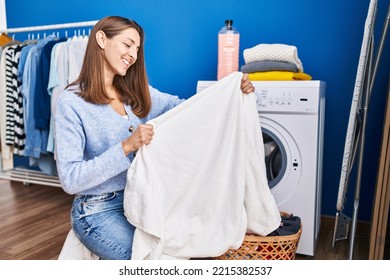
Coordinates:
[275,157]
[282,157]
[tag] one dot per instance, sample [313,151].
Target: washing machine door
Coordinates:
[282,159]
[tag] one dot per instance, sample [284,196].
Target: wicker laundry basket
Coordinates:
[256,247]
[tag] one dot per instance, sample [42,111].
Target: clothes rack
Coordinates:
[22,174]
[49,27]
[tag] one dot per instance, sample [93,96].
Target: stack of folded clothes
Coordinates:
[268,62]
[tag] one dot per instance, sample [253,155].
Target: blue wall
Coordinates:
[181,48]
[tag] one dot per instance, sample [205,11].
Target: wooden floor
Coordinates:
[34,221]
[325,249]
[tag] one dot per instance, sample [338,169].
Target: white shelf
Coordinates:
[28,176]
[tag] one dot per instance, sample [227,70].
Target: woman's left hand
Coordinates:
[246,84]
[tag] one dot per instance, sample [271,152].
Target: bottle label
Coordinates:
[228,49]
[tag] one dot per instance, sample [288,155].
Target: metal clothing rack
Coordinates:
[49,27]
[25,175]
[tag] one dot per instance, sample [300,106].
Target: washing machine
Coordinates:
[292,121]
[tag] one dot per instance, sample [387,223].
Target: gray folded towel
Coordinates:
[269,65]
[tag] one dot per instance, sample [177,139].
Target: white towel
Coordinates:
[73,249]
[277,52]
[201,184]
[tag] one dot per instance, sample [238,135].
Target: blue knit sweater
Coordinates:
[89,154]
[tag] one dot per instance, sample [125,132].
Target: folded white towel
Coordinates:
[277,52]
[201,184]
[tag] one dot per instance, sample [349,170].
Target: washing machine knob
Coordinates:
[263,100]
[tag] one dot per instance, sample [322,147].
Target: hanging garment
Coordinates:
[12,91]
[58,80]
[42,110]
[65,67]
[20,132]
[6,150]
[201,184]
[77,47]
[36,139]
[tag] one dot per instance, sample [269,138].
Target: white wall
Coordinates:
[3,17]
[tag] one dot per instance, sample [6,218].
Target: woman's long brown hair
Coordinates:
[133,88]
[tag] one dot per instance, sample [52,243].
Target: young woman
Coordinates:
[99,125]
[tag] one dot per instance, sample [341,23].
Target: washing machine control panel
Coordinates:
[293,97]
[286,99]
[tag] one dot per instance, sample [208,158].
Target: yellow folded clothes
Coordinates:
[278,76]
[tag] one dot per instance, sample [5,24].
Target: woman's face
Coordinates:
[121,51]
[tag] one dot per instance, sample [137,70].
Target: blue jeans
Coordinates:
[100,224]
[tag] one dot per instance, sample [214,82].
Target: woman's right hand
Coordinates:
[142,135]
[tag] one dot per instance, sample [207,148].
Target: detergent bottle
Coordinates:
[228,49]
